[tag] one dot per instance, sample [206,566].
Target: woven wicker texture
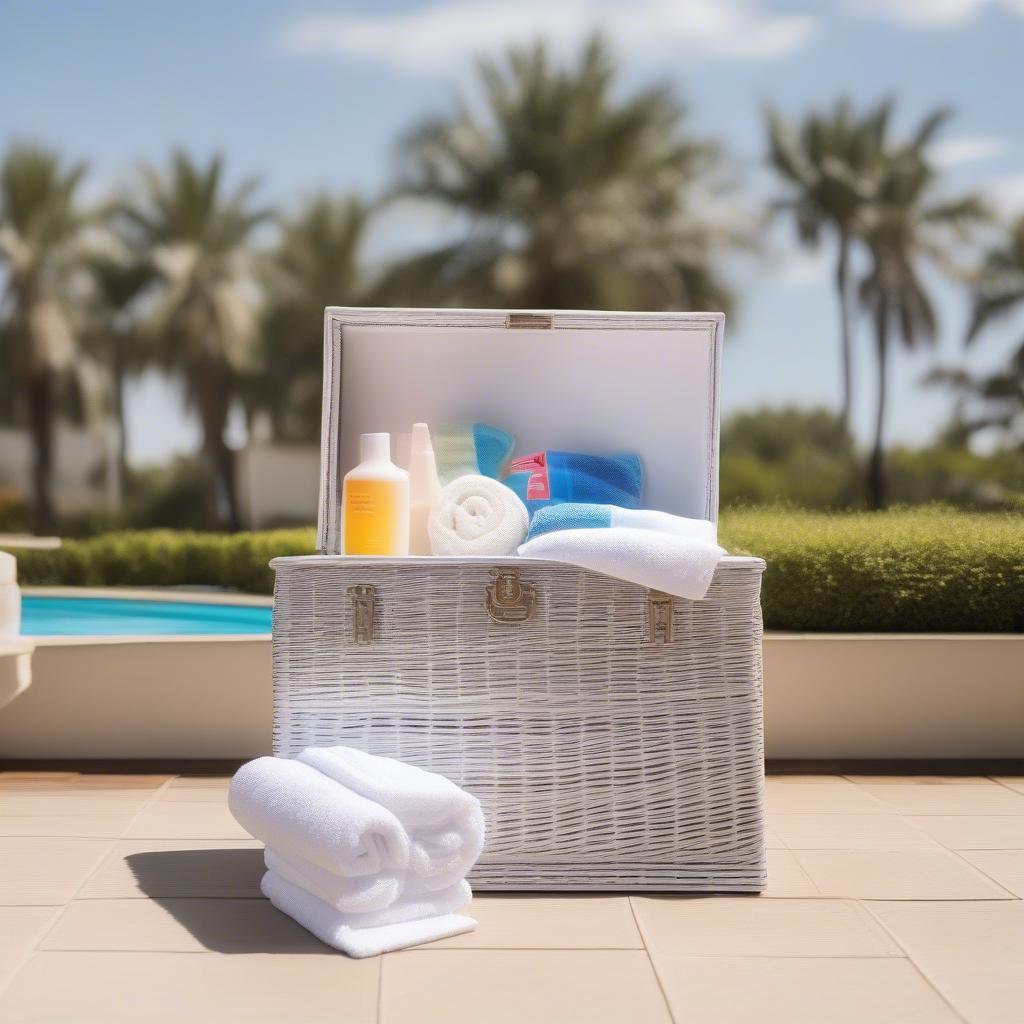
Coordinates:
[604,760]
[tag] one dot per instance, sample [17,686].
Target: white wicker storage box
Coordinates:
[613,735]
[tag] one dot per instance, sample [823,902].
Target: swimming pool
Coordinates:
[50,615]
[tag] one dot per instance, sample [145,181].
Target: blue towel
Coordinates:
[551,478]
[575,516]
[471,449]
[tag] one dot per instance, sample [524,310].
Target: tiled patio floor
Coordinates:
[134,898]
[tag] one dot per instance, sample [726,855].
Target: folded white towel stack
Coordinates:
[367,853]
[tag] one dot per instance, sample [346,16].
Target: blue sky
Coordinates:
[313,96]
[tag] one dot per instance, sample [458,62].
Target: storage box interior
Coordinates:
[590,382]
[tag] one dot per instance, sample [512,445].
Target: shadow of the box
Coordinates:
[215,895]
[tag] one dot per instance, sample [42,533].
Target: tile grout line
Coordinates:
[984,874]
[650,959]
[62,909]
[916,966]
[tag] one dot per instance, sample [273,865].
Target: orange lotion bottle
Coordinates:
[375,501]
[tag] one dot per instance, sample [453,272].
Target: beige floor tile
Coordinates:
[972,952]
[729,990]
[560,922]
[50,803]
[200,782]
[750,926]
[75,826]
[1014,782]
[973,831]
[848,832]
[840,798]
[45,872]
[786,878]
[153,988]
[920,780]
[186,821]
[805,778]
[517,986]
[179,926]
[20,929]
[772,840]
[178,867]
[1005,866]
[949,799]
[195,795]
[897,875]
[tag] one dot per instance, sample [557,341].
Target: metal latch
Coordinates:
[363,597]
[509,600]
[539,321]
[659,617]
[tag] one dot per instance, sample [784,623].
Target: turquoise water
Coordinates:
[105,616]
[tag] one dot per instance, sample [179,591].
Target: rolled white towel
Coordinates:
[476,515]
[363,894]
[669,562]
[361,935]
[291,806]
[445,824]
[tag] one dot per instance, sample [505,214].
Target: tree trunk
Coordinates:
[876,483]
[214,398]
[117,373]
[41,426]
[845,341]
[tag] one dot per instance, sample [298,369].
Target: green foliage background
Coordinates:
[932,569]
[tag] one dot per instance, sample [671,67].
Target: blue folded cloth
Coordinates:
[577,516]
[552,478]
[471,449]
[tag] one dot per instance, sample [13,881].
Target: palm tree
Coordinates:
[1000,285]
[908,224]
[569,195]
[195,235]
[830,165]
[40,228]
[316,263]
[113,332]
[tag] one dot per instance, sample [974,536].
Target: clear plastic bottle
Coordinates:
[424,487]
[375,501]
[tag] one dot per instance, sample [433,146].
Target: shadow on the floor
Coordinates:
[215,895]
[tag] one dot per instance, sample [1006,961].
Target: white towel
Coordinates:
[292,806]
[445,824]
[361,935]
[476,515]
[362,895]
[672,563]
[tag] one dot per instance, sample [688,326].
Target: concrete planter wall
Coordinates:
[826,696]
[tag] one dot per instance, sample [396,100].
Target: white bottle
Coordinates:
[375,501]
[424,487]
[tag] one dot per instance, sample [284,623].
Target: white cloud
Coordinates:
[433,38]
[1005,195]
[968,149]
[930,13]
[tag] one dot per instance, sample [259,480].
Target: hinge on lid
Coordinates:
[539,321]
[659,617]
[362,613]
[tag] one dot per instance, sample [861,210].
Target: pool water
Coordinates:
[103,616]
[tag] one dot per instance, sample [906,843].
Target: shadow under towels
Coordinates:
[367,853]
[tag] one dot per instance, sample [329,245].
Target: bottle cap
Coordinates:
[375,448]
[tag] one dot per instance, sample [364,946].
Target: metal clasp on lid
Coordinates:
[659,617]
[362,613]
[539,321]
[509,600]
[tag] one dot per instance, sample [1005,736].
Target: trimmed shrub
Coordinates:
[927,570]
[910,570]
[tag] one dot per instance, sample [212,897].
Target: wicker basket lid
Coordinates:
[574,381]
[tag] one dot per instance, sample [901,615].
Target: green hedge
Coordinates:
[163,558]
[909,570]
[928,570]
